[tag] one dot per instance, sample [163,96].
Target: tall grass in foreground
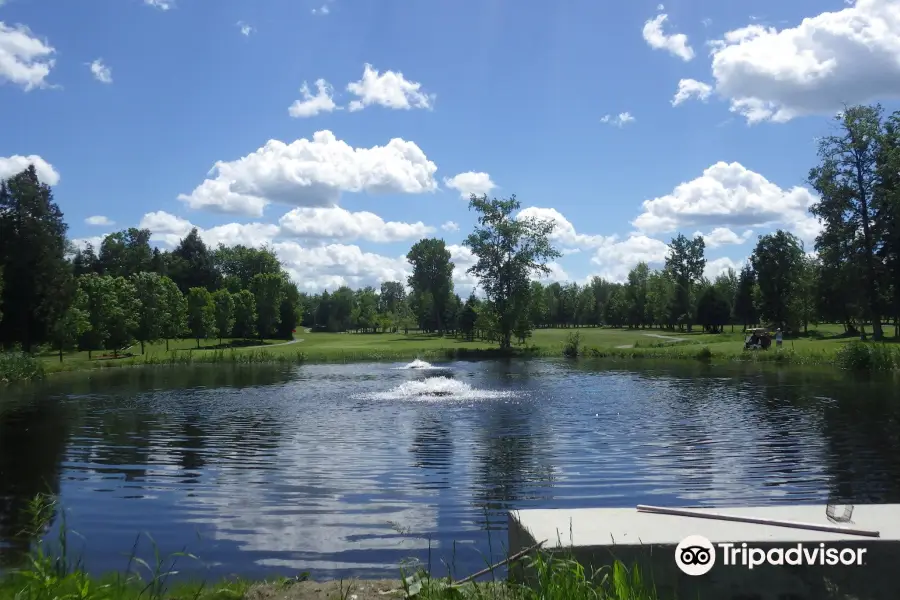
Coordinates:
[52,572]
[20,366]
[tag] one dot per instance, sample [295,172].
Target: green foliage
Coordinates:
[268,289]
[778,263]
[860,356]
[20,366]
[223,303]
[174,321]
[508,252]
[431,282]
[151,292]
[74,322]
[201,314]
[713,309]
[244,314]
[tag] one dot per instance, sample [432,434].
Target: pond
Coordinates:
[347,470]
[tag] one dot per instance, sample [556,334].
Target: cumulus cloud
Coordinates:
[25,60]
[618,120]
[691,88]
[312,173]
[245,29]
[450,226]
[675,44]
[730,195]
[160,4]
[13,165]
[101,72]
[469,183]
[334,265]
[389,89]
[93,240]
[717,266]
[563,231]
[99,221]
[845,56]
[169,229]
[722,236]
[311,105]
[616,258]
[340,224]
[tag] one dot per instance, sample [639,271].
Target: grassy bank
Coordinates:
[52,572]
[824,345]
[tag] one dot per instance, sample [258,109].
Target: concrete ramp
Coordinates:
[596,537]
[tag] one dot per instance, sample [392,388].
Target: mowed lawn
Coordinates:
[824,338]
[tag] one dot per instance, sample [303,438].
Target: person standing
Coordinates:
[778,338]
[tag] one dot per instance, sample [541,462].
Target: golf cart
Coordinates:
[759,339]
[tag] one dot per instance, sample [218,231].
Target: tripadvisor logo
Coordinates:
[695,555]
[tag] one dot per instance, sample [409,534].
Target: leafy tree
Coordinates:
[686,263]
[72,324]
[238,264]
[289,311]
[125,253]
[743,305]
[123,317]
[223,303]
[469,317]
[98,301]
[713,309]
[191,264]
[174,311]
[804,300]
[392,295]
[33,247]
[244,314]
[365,309]
[201,313]
[777,261]
[636,294]
[85,261]
[508,252]
[268,288]
[151,292]
[660,296]
[432,277]
[847,182]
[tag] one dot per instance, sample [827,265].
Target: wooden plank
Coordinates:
[686,512]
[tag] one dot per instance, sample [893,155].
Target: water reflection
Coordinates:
[326,468]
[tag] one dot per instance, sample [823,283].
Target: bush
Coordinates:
[19,366]
[572,348]
[862,356]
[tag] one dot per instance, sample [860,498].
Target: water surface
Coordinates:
[349,469]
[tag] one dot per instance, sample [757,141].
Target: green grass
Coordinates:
[824,345]
[51,572]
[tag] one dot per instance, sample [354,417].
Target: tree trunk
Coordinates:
[60,352]
[871,289]
[198,343]
[90,354]
[142,346]
[167,344]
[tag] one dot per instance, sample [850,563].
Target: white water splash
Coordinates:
[418,364]
[437,388]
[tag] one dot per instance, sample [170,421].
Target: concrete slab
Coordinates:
[596,537]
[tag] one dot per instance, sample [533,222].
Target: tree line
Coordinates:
[127,291]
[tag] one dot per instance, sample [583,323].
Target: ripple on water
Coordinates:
[436,388]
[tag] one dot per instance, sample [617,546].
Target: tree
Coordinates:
[636,295]
[268,289]
[743,305]
[686,263]
[713,309]
[777,261]
[847,182]
[433,276]
[391,296]
[238,264]
[804,300]
[33,246]
[72,324]
[508,252]
[98,301]
[201,313]
[244,314]
[223,304]
[152,295]
[174,317]
[290,310]
[122,319]
[125,253]
[191,264]
[468,317]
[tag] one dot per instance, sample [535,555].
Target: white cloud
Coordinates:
[469,183]
[616,258]
[691,88]
[450,226]
[101,72]
[675,44]
[246,29]
[564,232]
[618,120]
[99,221]
[311,105]
[322,10]
[340,224]
[160,4]
[24,59]
[717,266]
[722,236]
[660,7]
[169,229]
[390,90]
[462,259]
[13,165]
[730,195]
[334,265]
[846,56]
[557,273]
[312,173]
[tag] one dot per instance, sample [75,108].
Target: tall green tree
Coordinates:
[686,263]
[432,274]
[33,248]
[289,311]
[224,313]
[238,264]
[191,264]
[151,293]
[244,314]
[847,180]
[201,314]
[508,252]
[99,303]
[72,324]
[268,289]
[743,306]
[636,294]
[123,319]
[125,253]
[713,309]
[174,319]
[777,261]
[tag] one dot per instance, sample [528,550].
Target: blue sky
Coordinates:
[626,122]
